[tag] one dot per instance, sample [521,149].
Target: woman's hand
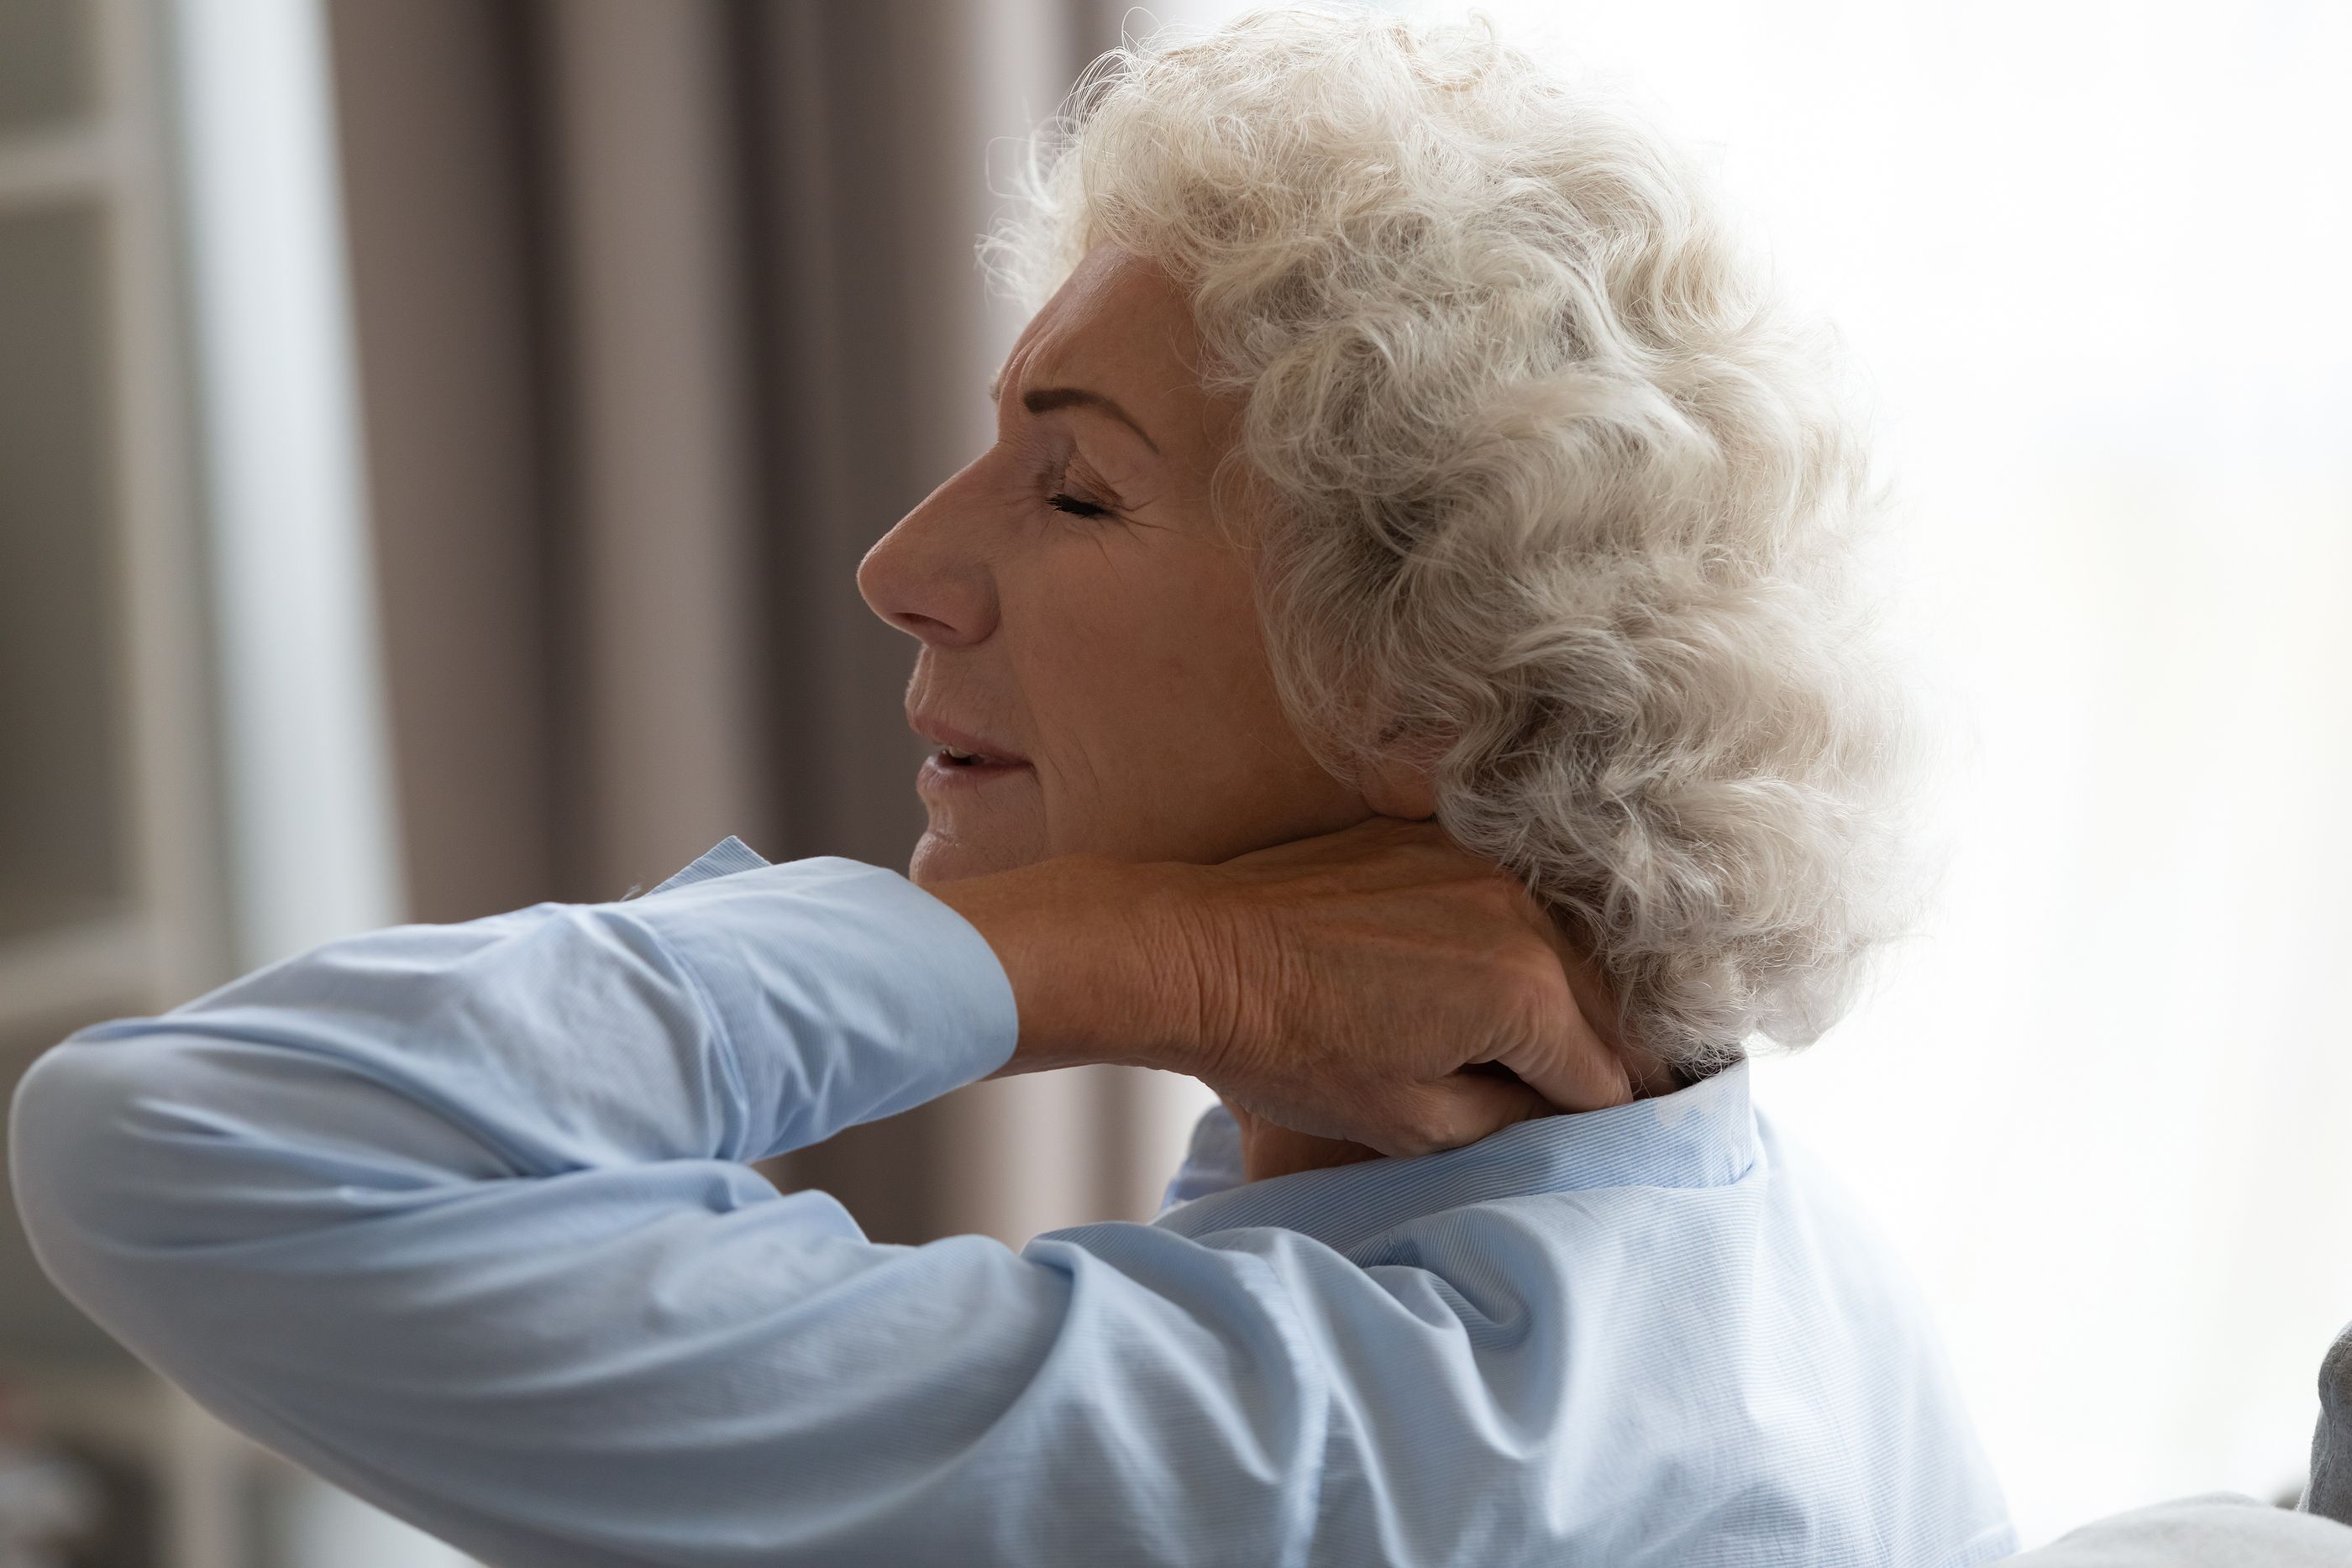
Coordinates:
[1362,985]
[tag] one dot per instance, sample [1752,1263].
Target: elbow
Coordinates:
[126,1180]
[59,1122]
[82,1171]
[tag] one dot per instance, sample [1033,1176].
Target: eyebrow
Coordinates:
[1046,400]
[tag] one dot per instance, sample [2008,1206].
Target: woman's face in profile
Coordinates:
[1080,615]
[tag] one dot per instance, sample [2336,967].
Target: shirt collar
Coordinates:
[1704,1136]
[725,858]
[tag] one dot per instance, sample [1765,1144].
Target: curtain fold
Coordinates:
[665,314]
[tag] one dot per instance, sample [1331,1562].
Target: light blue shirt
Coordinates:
[462,1218]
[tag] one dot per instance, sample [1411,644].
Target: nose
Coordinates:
[927,576]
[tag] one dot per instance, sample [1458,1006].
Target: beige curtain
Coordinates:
[666,309]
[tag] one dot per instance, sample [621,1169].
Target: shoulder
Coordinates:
[1749,1353]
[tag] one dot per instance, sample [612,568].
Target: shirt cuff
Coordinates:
[842,992]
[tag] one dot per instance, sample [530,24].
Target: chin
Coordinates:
[942,857]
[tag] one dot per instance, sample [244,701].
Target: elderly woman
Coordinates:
[1395,664]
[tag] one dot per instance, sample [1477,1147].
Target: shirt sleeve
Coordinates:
[461,1218]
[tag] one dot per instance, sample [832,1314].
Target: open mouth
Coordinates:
[956,759]
[947,766]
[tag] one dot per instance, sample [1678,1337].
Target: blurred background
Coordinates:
[436,438]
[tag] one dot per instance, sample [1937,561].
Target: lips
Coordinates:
[963,748]
[961,759]
[938,776]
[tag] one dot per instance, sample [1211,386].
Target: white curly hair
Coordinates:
[1553,493]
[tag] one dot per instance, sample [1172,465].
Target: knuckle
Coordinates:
[1507,897]
[1424,1126]
[1497,886]
[1529,978]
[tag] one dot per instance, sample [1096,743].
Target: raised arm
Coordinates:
[461,1218]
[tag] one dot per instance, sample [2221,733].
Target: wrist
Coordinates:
[1095,951]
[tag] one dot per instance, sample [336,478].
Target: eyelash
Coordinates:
[1076,507]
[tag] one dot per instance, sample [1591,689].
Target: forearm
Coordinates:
[733,1019]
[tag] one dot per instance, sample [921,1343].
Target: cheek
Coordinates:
[1156,716]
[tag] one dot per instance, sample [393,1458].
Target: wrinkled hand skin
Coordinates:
[1357,985]
[1370,986]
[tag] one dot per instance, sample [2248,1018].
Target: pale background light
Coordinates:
[2091,256]
[314,848]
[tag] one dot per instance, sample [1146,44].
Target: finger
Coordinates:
[1570,1065]
[1463,1107]
[1573,1073]
[1573,1063]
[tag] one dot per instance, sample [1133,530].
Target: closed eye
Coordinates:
[1074,506]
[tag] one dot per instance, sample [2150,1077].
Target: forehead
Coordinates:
[1118,316]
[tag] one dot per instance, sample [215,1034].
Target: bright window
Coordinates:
[2092,256]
